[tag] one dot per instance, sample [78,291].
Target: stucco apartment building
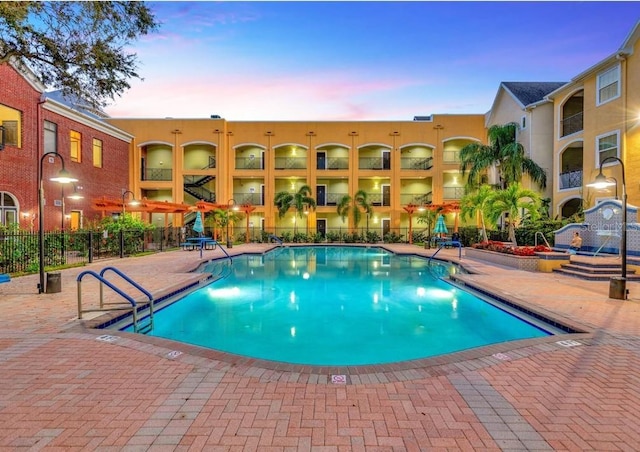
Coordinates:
[230,162]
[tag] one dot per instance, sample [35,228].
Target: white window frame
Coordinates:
[601,136]
[599,87]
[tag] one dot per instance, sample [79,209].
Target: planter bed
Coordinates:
[527,263]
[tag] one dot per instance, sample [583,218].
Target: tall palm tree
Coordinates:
[357,206]
[300,201]
[475,203]
[512,201]
[503,152]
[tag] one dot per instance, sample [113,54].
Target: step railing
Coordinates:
[133,305]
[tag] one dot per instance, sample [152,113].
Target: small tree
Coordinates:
[512,201]
[356,207]
[475,203]
[300,201]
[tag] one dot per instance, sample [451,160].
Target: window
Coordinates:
[50,137]
[607,146]
[97,153]
[11,120]
[8,209]
[608,85]
[75,139]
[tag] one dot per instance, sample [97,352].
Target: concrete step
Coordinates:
[592,269]
[595,276]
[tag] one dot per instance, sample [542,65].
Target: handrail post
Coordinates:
[79,299]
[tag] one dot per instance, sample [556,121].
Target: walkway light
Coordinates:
[63,177]
[133,202]
[617,286]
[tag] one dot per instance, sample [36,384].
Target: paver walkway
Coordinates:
[67,387]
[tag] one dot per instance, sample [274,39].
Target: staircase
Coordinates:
[597,268]
[194,186]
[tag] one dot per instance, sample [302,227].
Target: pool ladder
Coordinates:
[133,305]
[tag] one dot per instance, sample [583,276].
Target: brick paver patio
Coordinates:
[64,387]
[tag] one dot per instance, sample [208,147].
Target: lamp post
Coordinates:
[617,287]
[230,204]
[63,177]
[133,201]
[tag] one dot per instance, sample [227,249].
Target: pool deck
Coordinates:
[66,386]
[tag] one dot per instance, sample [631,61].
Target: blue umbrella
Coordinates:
[440,227]
[198,226]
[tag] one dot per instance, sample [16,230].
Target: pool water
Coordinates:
[336,306]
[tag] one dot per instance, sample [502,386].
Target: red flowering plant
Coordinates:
[500,247]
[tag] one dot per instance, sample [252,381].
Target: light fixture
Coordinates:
[617,286]
[133,202]
[63,177]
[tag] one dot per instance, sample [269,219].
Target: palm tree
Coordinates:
[429,217]
[300,201]
[475,203]
[512,201]
[503,152]
[357,206]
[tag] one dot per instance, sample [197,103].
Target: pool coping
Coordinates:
[446,364]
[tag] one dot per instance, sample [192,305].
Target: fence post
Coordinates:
[90,246]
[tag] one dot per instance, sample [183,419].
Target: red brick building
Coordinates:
[34,123]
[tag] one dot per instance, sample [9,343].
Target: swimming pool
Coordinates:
[319,305]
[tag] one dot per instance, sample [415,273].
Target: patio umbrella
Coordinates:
[440,227]
[198,226]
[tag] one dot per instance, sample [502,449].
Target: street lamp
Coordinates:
[230,204]
[63,177]
[617,287]
[133,202]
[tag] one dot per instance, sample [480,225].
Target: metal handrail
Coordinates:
[535,239]
[103,281]
[455,243]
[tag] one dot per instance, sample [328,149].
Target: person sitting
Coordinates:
[576,243]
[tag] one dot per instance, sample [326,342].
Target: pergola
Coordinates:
[108,205]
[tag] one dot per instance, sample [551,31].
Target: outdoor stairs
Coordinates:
[598,268]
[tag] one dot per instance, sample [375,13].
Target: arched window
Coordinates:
[8,209]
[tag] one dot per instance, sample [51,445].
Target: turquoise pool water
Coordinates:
[336,306]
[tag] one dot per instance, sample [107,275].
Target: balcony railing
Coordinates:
[416,198]
[255,199]
[451,156]
[379,199]
[452,192]
[249,163]
[335,163]
[291,163]
[373,163]
[571,179]
[160,174]
[572,124]
[331,199]
[416,163]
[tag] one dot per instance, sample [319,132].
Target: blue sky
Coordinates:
[360,60]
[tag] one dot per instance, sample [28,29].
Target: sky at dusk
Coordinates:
[349,61]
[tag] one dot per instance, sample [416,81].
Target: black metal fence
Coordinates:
[19,251]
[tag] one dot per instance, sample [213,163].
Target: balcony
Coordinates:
[572,124]
[249,163]
[330,199]
[374,163]
[379,199]
[571,179]
[416,198]
[451,156]
[255,199]
[333,163]
[283,163]
[416,163]
[452,192]
[157,174]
